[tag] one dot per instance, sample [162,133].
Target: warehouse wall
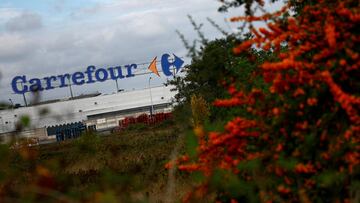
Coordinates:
[69,111]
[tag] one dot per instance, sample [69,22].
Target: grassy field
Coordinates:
[124,167]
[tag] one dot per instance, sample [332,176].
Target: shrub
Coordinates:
[298,140]
[200,110]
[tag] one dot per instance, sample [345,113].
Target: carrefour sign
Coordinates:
[22,84]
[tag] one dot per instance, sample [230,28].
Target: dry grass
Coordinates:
[125,167]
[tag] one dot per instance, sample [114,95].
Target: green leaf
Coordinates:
[191,144]
[288,164]
[330,178]
[251,165]
[197,176]
[25,121]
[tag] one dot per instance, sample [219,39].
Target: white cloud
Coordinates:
[8,13]
[113,33]
[14,47]
[26,21]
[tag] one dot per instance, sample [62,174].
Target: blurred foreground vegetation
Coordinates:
[124,167]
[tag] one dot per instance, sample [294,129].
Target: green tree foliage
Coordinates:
[249,5]
[211,62]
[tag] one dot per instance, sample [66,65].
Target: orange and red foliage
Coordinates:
[313,95]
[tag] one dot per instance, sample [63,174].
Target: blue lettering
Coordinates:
[78,78]
[14,84]
[89,71]
[21,85]
[103,76]
[119,73]
[62,79]
[35,85]
[129,67]
[48,82]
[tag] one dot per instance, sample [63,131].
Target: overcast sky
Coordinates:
[40,38]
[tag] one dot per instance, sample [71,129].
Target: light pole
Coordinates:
[2,125]
[12,103]
[117,86]
[152,106]
[71,92]
[25,102]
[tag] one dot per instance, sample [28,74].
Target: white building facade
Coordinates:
[103,111]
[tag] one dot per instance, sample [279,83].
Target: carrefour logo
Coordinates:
[22,84]
[166,64]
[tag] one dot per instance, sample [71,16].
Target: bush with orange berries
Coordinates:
[297,139]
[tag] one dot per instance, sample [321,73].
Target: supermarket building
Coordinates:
[102,111]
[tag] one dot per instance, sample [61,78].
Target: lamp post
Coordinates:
[25,102]
[117,86]
[12,103]
[2,125]
[71,92]
[152,106]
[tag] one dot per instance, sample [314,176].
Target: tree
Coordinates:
[211,61]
